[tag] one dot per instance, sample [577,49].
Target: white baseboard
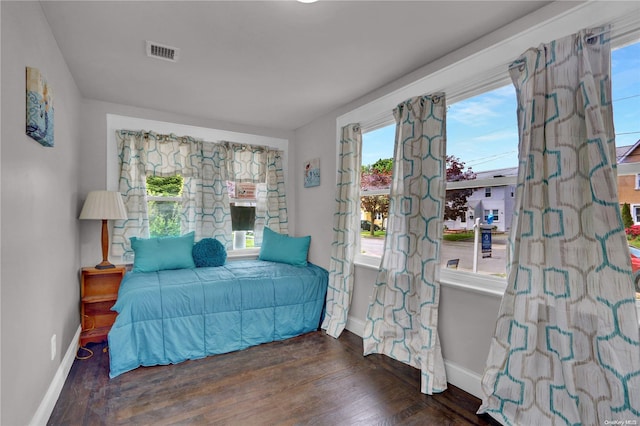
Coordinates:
[51,397]
[467,380]
[355,326]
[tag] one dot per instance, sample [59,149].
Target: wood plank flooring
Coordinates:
[313,379]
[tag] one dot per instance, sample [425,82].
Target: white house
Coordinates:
[496,200]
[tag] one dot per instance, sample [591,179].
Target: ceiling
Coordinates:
[275,64]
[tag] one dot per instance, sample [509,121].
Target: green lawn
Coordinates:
[635,242]
[458,236]
[376,234]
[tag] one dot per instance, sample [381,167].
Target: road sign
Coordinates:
[486,242]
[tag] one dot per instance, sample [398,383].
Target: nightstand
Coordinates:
[98,293]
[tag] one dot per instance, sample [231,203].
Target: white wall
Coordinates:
[40,206]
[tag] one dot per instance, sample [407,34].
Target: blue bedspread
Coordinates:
[170,316]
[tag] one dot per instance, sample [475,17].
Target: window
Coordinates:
[635,209]
[494,215]
[242,200]
[459,88]
[481,131]
[376,169]
[164,199]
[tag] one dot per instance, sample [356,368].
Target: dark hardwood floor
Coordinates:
[312,379]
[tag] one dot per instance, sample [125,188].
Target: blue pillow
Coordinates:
[284,249]
[209,252]
[157,254]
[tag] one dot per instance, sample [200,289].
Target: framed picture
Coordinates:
[312,173]
[39,108]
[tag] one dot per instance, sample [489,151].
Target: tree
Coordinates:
[379,175]
[456,199]
[164,216]
[164,186]
[372,177]
[627,219]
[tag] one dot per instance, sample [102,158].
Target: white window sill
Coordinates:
[476,283]
[251,253]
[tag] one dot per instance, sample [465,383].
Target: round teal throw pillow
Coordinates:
[209,252]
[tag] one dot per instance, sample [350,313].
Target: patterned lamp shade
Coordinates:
[103,205]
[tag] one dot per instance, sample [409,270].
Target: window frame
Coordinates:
[476,74]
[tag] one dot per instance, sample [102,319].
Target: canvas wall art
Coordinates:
[312,173]
[39,108]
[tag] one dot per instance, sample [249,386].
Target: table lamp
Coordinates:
[104,205]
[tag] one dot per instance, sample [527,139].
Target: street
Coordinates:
[463,250]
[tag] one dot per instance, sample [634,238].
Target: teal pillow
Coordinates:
[157,254]
[209,252]
[284,249]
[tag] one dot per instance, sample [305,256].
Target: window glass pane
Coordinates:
[377,167]
[625,86]
[164,205]
[243,213]
[482,134]
[164,218]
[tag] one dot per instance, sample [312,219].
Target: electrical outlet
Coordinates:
[53,347]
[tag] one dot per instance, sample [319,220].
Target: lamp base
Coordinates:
[105,265]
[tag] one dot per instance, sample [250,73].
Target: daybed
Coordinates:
[169,316]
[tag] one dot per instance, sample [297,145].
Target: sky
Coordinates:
[482,131]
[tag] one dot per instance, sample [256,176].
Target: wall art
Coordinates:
[39,108]
[312,173]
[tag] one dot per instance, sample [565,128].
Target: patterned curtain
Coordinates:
[213,216]
[261,166]
[246,163]
[566,349]
[271,200]
[133,187]
[205,202]
[402,320]
[346,231]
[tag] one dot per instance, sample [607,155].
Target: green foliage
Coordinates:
[460,236]
[164,218]
[627,219]
[166,186]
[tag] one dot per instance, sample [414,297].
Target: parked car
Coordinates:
[635,266]
[365,225]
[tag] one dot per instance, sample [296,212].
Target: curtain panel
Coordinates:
[271,201]
[205,201]
[402,319]
[565,348]
[133,187]
[261,166]
[346,231]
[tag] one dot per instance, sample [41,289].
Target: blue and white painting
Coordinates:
[39,108]
[312,173]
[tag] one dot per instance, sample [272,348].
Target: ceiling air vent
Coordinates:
[160,51]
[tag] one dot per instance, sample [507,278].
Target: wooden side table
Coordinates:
[98,293]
